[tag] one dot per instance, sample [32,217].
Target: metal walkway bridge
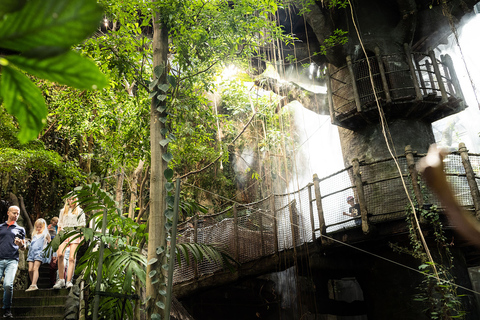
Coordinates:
[283,222]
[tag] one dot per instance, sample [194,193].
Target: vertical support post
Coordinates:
[408,53]
[173,244]
[438,75]
[310,203]
[195,240]
[262,240]
[470,178]
[275,231]
[294,222]
[414,175]
[318,198]
[383,75]
[354,84]
[420,77]
[235,232]
[430,77]
[447,60]
[331,109]
[357,176]
[96,302]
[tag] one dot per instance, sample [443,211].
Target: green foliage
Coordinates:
[437,291]
[338,38]
[43,31]
[123,261]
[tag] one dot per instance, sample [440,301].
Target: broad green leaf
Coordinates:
[162,292]
[160,250]
[152,84]
[9,6]
[152,261]
[164,87]
[164,142]
[152,94]
[162,97]
[70,68]
[167,157]
[160,304]
[23,100]
[169,186]
[152,273]
[156,316]
[168,173]
[163,119]
[158,70]
[162,108]
[169,213]
[171,79]
[49,23]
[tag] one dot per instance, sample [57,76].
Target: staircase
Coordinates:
[44,303]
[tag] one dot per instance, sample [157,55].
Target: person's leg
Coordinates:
[30,270]
[9,277]
[71,261]
[3,265]
[36,266]
[60,263]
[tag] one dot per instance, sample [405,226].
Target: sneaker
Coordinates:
[69,284]
[32,288]
[59,284]
[7,313]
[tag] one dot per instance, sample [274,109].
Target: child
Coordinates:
[36,256]
[52,227]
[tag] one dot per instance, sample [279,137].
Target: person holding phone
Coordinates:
[12,239]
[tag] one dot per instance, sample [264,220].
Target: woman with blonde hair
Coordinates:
[71,216]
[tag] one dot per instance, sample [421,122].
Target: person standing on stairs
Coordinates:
[36,255]
[71,217]
[12,239]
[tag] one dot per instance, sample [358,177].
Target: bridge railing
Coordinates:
[284,221]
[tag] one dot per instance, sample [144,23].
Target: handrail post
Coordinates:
[294,222]
[235,232]
[195,240]
[438,75]
[354,84]
[447,60]
[275,234]
[310,205]
[331,108]
[357,176]
[408,53]
[383,75]
[414,175]
[262,240]
[470,178]
[318,198]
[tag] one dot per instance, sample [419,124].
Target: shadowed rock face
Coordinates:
[386,25]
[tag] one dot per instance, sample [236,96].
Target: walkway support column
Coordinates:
[310,205]
[294,222]
[357,176]
[354,84]
[235,233]
[414,175]
[275,232]
[470,178]
[318,198]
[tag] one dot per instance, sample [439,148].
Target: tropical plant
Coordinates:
[36,37]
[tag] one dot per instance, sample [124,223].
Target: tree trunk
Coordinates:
[134,189]
[157,232]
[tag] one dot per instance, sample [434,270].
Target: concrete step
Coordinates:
[38,304]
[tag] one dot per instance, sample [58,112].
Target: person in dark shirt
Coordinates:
[353,211]
[12,239]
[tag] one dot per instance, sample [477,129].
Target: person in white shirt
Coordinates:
[71,216]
